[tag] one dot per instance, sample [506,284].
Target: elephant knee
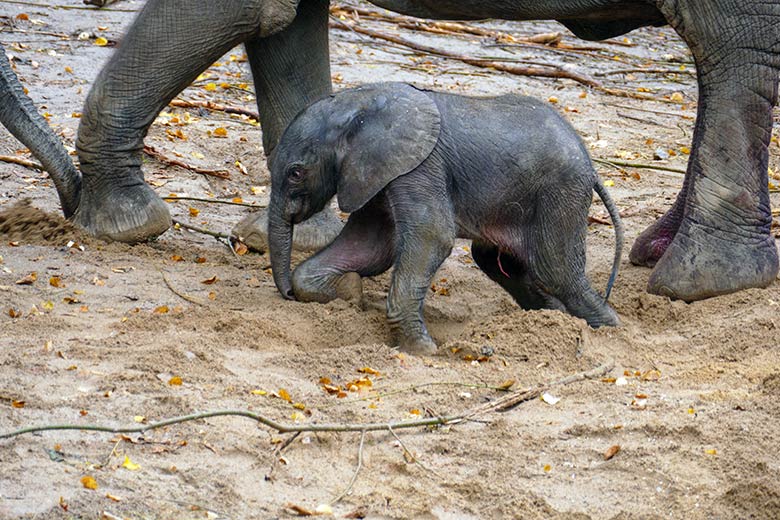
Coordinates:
[271,17]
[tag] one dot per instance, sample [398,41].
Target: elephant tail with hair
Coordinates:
[614,214]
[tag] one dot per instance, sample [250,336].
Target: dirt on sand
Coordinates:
[104,331]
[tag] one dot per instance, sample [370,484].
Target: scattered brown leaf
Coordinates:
[28,280]
[611,452]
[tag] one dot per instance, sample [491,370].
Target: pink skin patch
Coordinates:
[501,267]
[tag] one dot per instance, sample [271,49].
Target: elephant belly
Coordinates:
[591,11]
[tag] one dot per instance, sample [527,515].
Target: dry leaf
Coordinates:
[298,510]
[175,381]
[56,281]
[14,313]
[369,370]
[177,258]
[28,280]
[220,132]
[17,404]
[284,394]
[200,260]
[611,452]
[194,212]
[712,451]
[89,482]
[100,41]
[162,309]
[506,385]
[550,399]
[299,406]
[241,249]
[128,464]
[210,281]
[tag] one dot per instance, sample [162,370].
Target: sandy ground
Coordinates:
[104,330]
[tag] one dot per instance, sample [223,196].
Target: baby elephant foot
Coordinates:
[312,235]
[418,346]
[312,286]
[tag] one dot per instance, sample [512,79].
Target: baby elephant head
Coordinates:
[352,143]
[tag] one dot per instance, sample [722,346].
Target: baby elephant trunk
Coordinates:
[280,233]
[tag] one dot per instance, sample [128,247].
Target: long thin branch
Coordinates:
[500,404]
[551,72]
[153,152]
[216,107]
[644,166]
[215,234]
[178,293]
[66,7]
[213,201]
[357,470]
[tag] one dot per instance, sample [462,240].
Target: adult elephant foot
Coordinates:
[312,235]
[126,214]
[702,262]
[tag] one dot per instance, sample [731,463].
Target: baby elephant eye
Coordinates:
[295,173]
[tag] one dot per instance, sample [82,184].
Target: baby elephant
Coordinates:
[416,169]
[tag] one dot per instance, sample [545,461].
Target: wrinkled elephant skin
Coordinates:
[714,240]
[521,193]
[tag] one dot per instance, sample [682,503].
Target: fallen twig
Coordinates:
[180,294]
[551,72]
[21,162]
[357,470]
[501,404]
[204,231]
[66,7]
[278,452]
[208,105]
[172,198]
[644,166]
[409,456]
[153,152]
[651,111]
[644,71]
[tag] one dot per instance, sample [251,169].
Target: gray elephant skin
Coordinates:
[21,118]
[416,169]
[714,240]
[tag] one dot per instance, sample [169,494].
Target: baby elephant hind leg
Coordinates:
[511,274]
[556,259]
[363,248]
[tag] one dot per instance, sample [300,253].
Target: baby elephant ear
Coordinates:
[391,129]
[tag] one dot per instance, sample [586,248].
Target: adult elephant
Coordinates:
[714,240]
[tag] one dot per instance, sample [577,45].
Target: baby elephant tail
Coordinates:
[618,225]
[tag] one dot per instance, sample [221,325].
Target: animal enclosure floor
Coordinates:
[121,335]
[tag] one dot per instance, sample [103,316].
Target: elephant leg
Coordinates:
[291,69]
[653,242]
[169,44]
[510,273]
[723,242]
[554,250]
[21,118]
[365,246]
[425,233]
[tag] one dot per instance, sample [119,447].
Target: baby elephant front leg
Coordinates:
[363,248]
[425,240]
